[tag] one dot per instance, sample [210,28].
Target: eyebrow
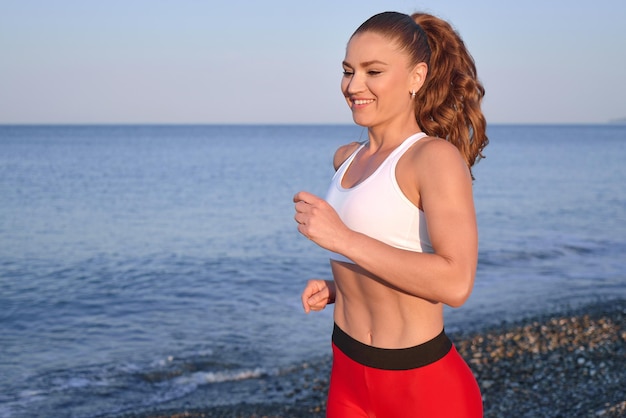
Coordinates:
[366,63]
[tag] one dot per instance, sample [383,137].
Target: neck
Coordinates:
[393,133]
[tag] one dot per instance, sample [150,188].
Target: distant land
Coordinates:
[618,120]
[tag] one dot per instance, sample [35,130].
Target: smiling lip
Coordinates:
[361,102]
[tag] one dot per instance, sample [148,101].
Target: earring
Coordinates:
[413,94]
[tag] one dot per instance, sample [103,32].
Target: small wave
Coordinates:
[90,383]
[534,253]
[200,378]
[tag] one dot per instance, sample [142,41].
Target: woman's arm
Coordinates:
[317,294]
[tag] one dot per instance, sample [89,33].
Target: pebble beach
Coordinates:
[567,364]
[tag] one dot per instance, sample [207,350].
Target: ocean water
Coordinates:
[143,265]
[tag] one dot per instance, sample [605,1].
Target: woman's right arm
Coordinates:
[343,153]
[317,294]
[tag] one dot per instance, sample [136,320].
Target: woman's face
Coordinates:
[377,82]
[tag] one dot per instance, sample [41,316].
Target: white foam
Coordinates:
[200,378]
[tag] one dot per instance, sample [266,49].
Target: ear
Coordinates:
[418,76]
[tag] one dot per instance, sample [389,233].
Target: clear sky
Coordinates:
[279,61]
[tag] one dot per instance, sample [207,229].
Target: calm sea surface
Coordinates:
[140,264]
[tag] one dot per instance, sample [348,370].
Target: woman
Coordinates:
[399,221]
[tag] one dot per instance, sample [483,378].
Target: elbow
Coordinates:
[456,301]
[460,291]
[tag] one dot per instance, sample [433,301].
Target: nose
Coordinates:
[352,84]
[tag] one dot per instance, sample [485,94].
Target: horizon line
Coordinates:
[130,124]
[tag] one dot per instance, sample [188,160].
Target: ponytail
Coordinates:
[448,104]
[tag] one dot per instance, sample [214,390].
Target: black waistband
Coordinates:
[392,359]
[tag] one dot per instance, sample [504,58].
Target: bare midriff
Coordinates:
[372,312]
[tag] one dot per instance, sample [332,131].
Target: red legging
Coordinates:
[443,388]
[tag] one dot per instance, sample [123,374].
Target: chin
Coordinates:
[361,121]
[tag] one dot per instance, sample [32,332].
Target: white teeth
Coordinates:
[362,102]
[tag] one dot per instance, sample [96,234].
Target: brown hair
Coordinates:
[448,104]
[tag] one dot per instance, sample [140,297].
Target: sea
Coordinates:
[144,266]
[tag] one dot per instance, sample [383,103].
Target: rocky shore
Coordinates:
[571,364]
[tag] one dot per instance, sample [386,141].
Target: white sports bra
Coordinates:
[377,207]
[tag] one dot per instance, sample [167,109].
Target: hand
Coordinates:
[317,294]
[318,221]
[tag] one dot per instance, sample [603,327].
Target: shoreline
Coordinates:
[570,364]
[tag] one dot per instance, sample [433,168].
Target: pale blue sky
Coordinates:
[279,61]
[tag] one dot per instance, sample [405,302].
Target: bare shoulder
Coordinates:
[437,155]
[431,164]
[343,152]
